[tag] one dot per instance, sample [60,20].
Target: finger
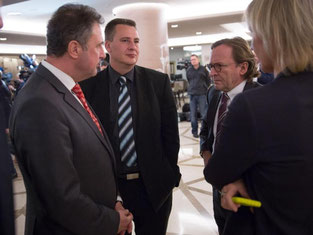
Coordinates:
[130,227]
[130,215]
[228,204]
[244,193]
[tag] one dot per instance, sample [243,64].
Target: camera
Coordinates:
[183,64]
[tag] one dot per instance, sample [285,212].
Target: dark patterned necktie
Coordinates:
[80,95]
[221,116]
[125,126]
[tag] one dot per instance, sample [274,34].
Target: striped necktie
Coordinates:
[80,95]
[221,116]
[125,126]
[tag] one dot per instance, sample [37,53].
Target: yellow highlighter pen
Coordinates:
[246,202]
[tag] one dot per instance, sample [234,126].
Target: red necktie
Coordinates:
[80,95]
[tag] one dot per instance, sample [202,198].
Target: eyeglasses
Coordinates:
[218,67]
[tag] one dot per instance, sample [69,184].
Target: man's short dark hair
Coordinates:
[70,22]
[241,53]
[110,27]
[194,55]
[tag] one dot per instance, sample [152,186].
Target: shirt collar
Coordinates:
[66,80]
[236,90]
[114,76]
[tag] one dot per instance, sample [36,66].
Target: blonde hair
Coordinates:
[286,29]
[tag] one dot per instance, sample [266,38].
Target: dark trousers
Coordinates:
[147,220]
[195,102]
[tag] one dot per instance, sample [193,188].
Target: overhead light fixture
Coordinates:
[198,33]
[192,48]
[3,39]
[172,48]
[174,25]
[14,13]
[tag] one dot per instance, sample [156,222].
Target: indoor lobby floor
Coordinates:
[192,211]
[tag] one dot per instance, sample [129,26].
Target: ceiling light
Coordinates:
[14,13]
[172,48]
[174,25]
[192,48]
[198,33]
[3,39]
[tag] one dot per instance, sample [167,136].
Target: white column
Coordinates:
[151,24]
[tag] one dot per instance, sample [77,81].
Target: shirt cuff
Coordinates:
[119,199]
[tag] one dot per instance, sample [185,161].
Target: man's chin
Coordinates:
[91,74]
[132,61]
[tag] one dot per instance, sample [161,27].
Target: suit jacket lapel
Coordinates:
[143,101]
[71,101]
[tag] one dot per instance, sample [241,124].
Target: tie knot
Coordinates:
[77,89]
[225,97]
[122,80]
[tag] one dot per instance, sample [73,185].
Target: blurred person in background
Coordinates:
[198,83]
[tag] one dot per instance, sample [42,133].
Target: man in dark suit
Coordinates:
[145,137]
[232,69]
[64,154]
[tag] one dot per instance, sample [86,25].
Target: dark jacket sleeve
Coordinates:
[237,150]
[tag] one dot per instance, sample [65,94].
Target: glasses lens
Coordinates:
[217,67]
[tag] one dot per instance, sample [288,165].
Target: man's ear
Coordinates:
[107,45]
[74,49]
[243,68]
